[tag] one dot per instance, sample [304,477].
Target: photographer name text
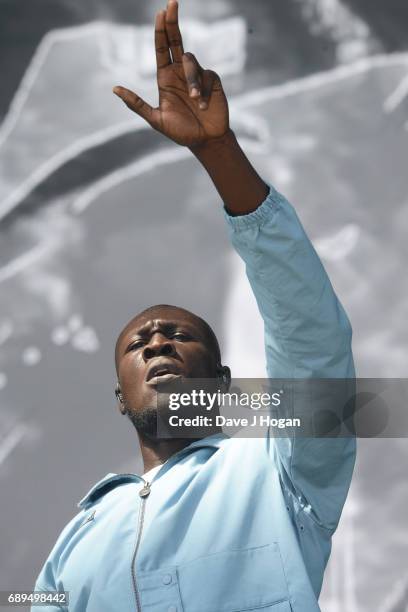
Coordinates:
[258,420]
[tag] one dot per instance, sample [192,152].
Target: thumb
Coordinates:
[136,104]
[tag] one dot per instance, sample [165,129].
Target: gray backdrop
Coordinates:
[100,217]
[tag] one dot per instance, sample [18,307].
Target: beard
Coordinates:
[144,421]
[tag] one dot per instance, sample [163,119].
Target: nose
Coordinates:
[159,346]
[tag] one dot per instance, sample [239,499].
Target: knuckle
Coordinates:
[213,75]
[192,60]
[138,103]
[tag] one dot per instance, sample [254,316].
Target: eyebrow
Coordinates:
[148,329]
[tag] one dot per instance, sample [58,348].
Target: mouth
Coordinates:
[163,378]
[163,372]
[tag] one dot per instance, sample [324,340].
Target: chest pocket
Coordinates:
[235,581]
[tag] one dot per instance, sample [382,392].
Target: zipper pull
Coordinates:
[145,491]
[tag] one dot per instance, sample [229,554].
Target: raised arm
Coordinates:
[307,333]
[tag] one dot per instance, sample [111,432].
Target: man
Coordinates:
[218,524]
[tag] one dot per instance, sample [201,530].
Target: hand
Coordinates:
[193,109]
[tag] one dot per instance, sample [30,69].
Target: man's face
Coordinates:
[159,346]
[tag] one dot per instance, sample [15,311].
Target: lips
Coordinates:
[161,369]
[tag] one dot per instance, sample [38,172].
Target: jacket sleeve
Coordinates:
[48,578]
[46,583]
[307,335]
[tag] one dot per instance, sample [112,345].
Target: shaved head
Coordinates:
[158,310]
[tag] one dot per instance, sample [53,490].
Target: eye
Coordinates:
[181,336]
[136,345]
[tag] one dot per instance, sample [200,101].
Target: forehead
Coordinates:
[162,318]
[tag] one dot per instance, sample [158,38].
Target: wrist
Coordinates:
[215,146]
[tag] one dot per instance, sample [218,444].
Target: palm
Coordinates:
[180,115]
[181,119]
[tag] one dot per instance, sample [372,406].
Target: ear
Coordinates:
[224,375]
[119,397]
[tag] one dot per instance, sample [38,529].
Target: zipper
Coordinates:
[144,494]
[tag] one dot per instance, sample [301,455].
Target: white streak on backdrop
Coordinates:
[3,380]
[397,97]
[11,440]
[129,50]
[351,34]
[17,434]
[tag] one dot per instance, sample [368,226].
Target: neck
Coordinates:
[155,452]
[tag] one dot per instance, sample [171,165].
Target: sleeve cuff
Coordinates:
[264,212]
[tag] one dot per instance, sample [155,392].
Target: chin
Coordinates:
[145,420]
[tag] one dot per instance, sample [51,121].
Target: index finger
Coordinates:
[163,57]
[173,31]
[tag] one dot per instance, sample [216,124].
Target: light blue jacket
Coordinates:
[230,524]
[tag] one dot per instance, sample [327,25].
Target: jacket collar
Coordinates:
[111,481]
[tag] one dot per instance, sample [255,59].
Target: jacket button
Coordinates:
[167,580]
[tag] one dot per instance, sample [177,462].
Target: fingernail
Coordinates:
[195,92]
[203,105]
